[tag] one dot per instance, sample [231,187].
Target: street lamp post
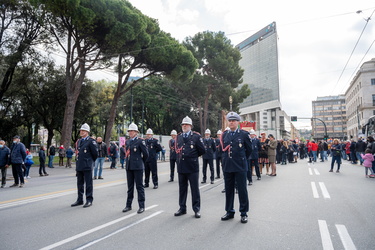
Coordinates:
[230,102]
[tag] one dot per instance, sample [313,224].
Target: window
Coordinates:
[373,100]
[373,81]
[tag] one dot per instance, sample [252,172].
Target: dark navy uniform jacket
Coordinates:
[136,154]
[188,151]
[255,147]
[239,150]
[87,154]
[153,147]
[172,154]
[210,147]
[218,148]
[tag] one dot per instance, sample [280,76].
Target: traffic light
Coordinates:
[293,118]
[325,137]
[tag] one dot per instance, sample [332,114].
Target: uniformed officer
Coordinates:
[172,154]
[136,155]
[153,147]
[254,157]
[208,157]
[87,153]
[189,147]
[236,146]
[218,154]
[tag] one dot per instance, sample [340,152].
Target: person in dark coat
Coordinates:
[172,154]
[236,146]
[151,166]
[113,154]
[136,154]
[87,154]
[122,156]
[218,153]
[42,162]
[254,158]
[17,159]
[189,147]
[208,157]
[4,161]
[360,149]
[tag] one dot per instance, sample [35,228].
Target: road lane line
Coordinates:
[119,230]
[324,191]
[40,197]
[310,171]
[324,234]
[345,237]
[316,171]
[314,190]
[77,236]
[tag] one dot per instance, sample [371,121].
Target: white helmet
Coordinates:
[85,127]
[149,132]
[187,120]
[227,128]
[219,132]
[252,132]
[133,127]
[207,131]
[174,132]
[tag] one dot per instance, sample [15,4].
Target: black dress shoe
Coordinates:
[179,212]
[146,186]
[258,178]
[217,177]
[140,210]
[156,187]
[203,182]
[87,204]
[171,180]
[227,216]
[250,183]
[244,219]
[212,182]
[77,203]
[197,215]
[126,209]
[223,191]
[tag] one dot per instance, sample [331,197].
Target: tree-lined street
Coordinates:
[303,207]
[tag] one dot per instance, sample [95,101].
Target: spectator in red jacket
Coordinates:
[314,150]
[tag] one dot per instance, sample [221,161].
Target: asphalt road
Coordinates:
[303,207]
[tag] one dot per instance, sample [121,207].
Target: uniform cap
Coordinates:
[16,137]
[207,131]
[187,120]
[85,127]
[173,132]
[133,127]
[149,132]
[219,132]
[233,116]
[252,132]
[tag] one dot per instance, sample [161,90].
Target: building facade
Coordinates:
[261,73]
[360,99]
[332,111]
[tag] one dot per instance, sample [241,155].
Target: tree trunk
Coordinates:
[205,109]
[200,116]
[112,116]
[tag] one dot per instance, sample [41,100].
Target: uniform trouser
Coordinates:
[230,179]
[183,181]
[113,163]
[17,173]
[218,163]
[172,164]
[3,175]
[210,162]
[82,178]
[255,163]
[151,166]
[42,168]
[135,176]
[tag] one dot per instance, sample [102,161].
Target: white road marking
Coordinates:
[119,230]
[345,238]
[324,191]
[314,190]
[325,236]
[310,171]
[46,197]
[77,236]
[316,171]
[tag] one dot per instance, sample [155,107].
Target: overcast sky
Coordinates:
[316,38]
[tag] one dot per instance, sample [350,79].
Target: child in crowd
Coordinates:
[28,163]
[368,158]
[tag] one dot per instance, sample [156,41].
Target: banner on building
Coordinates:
[122,141]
